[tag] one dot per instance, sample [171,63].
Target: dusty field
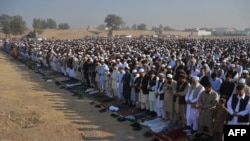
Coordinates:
[34,110]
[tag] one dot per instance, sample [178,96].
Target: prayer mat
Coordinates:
[109,99]
[63,78]
[128,111]
[69,83]
[52,75]
[173,135]
[111,103]
[74,89]
[199,137]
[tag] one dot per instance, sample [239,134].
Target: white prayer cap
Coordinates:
[169,67]
[195,78]
[245,71]
[242,81]
[102,60]
[232,65]
[134,71]
[161,75]
[121,66]
[141,70]
[153,66]
[169,76]
[217,64]
[163,65]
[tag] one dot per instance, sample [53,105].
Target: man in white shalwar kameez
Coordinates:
[159,91]
[192,96]
[102,74]
[134,90]
[114,83]
[120,84]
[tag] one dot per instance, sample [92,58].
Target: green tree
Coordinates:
[141,27]
[37,24]
[63,26]
[5,24]
[113,22]
[160,27]
[17,25]
[6,29]
[167,28]
[3,19]
[51,24]
[134,27]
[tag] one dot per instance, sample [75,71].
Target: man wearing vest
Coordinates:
[179,99]
[159,91]
[134,90]
[238,107]
[126,86]
[143,87]
[151,96]
[192,96]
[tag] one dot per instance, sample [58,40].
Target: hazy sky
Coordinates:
[178,14]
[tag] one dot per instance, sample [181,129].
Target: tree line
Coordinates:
[15,25]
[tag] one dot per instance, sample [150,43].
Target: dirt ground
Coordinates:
[34,110]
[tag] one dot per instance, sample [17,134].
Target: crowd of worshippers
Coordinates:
[196,82]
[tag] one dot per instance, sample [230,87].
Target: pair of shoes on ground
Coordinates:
[136,126]
[98,106]
[148,134]
[121,119]
[155,139]
[189,132]
[114,115]
[102,110]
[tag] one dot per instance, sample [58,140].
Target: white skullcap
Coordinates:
[169,76]
[141,70]
[134,71]
[242,81]
[196,78]
[218,64]
[153,66]
[169,67]
[161,75]
[106,68]
[163,65]
[245,71]
[232,65]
